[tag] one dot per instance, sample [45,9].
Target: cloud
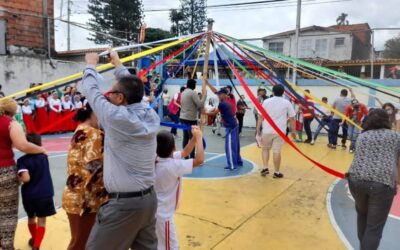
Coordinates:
[256,23]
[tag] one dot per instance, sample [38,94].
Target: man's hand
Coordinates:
[114,58]
[92,59]
[196,132]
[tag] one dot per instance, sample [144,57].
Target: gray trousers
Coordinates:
[373,202]
[125,223]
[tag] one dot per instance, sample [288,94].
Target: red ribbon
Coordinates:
[273,125]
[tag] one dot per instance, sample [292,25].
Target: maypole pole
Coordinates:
[205,65]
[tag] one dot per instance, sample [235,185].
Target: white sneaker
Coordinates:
[312,142]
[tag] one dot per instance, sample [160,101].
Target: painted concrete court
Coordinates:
[245,210]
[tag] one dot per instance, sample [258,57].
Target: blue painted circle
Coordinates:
[214,168]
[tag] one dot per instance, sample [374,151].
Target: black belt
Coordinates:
[130,194]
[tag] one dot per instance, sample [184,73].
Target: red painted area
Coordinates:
[395,211]
[53,145]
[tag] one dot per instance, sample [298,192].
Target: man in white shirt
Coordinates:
[281,111]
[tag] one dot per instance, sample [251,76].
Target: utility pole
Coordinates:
[192,18]
[296,42]
[372,57]
[61,9]
[68,25]
[45,24]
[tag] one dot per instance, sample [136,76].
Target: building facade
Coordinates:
[336,43]
[26,27]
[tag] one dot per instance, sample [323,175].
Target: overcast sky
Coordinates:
[252,23]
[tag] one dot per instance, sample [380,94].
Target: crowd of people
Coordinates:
[124,174]
[50,112]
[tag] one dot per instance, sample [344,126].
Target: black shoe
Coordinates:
[277,175]
[34,248]
[30,242]
[344,146]
[307,141]
[213,130]
[264,171]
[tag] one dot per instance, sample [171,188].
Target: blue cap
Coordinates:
[222,91]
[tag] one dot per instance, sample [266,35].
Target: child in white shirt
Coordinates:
[170,167]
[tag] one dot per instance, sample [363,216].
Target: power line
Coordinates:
[224,5]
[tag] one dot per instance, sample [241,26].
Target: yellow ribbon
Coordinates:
[99,68]
[298,89]
[197,60]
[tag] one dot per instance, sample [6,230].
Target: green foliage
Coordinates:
[156,34]
[392,48]
[176,17]
[119,18]
[190,19]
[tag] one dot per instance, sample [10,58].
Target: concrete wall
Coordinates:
[16,72]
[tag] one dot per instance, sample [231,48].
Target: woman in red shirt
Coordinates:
[11,133]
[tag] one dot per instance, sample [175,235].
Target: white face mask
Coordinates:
[389,112]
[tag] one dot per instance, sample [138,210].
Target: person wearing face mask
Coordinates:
[356,111]
[394,116]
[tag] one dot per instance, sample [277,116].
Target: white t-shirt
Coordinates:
[279,109]
[168,183]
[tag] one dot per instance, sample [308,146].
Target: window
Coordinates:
[321,46]
[2,37]
[306,50]
[339,41]
[276,47]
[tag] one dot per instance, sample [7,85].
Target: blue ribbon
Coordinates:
[181,126]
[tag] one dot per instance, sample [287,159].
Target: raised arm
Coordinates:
[198,102]
[189,147]
[212,88]
[101,106]
[353,96]
[120,70]
[199,159]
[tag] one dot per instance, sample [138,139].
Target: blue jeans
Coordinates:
[232,148]
[334,132]
[353,135]
[324,123]
[175,119]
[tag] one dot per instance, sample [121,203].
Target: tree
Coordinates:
[392,48]
[342,19]
[156,34]
[119,18]
[194,16]
[176,17]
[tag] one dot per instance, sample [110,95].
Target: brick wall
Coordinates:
[25,25]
